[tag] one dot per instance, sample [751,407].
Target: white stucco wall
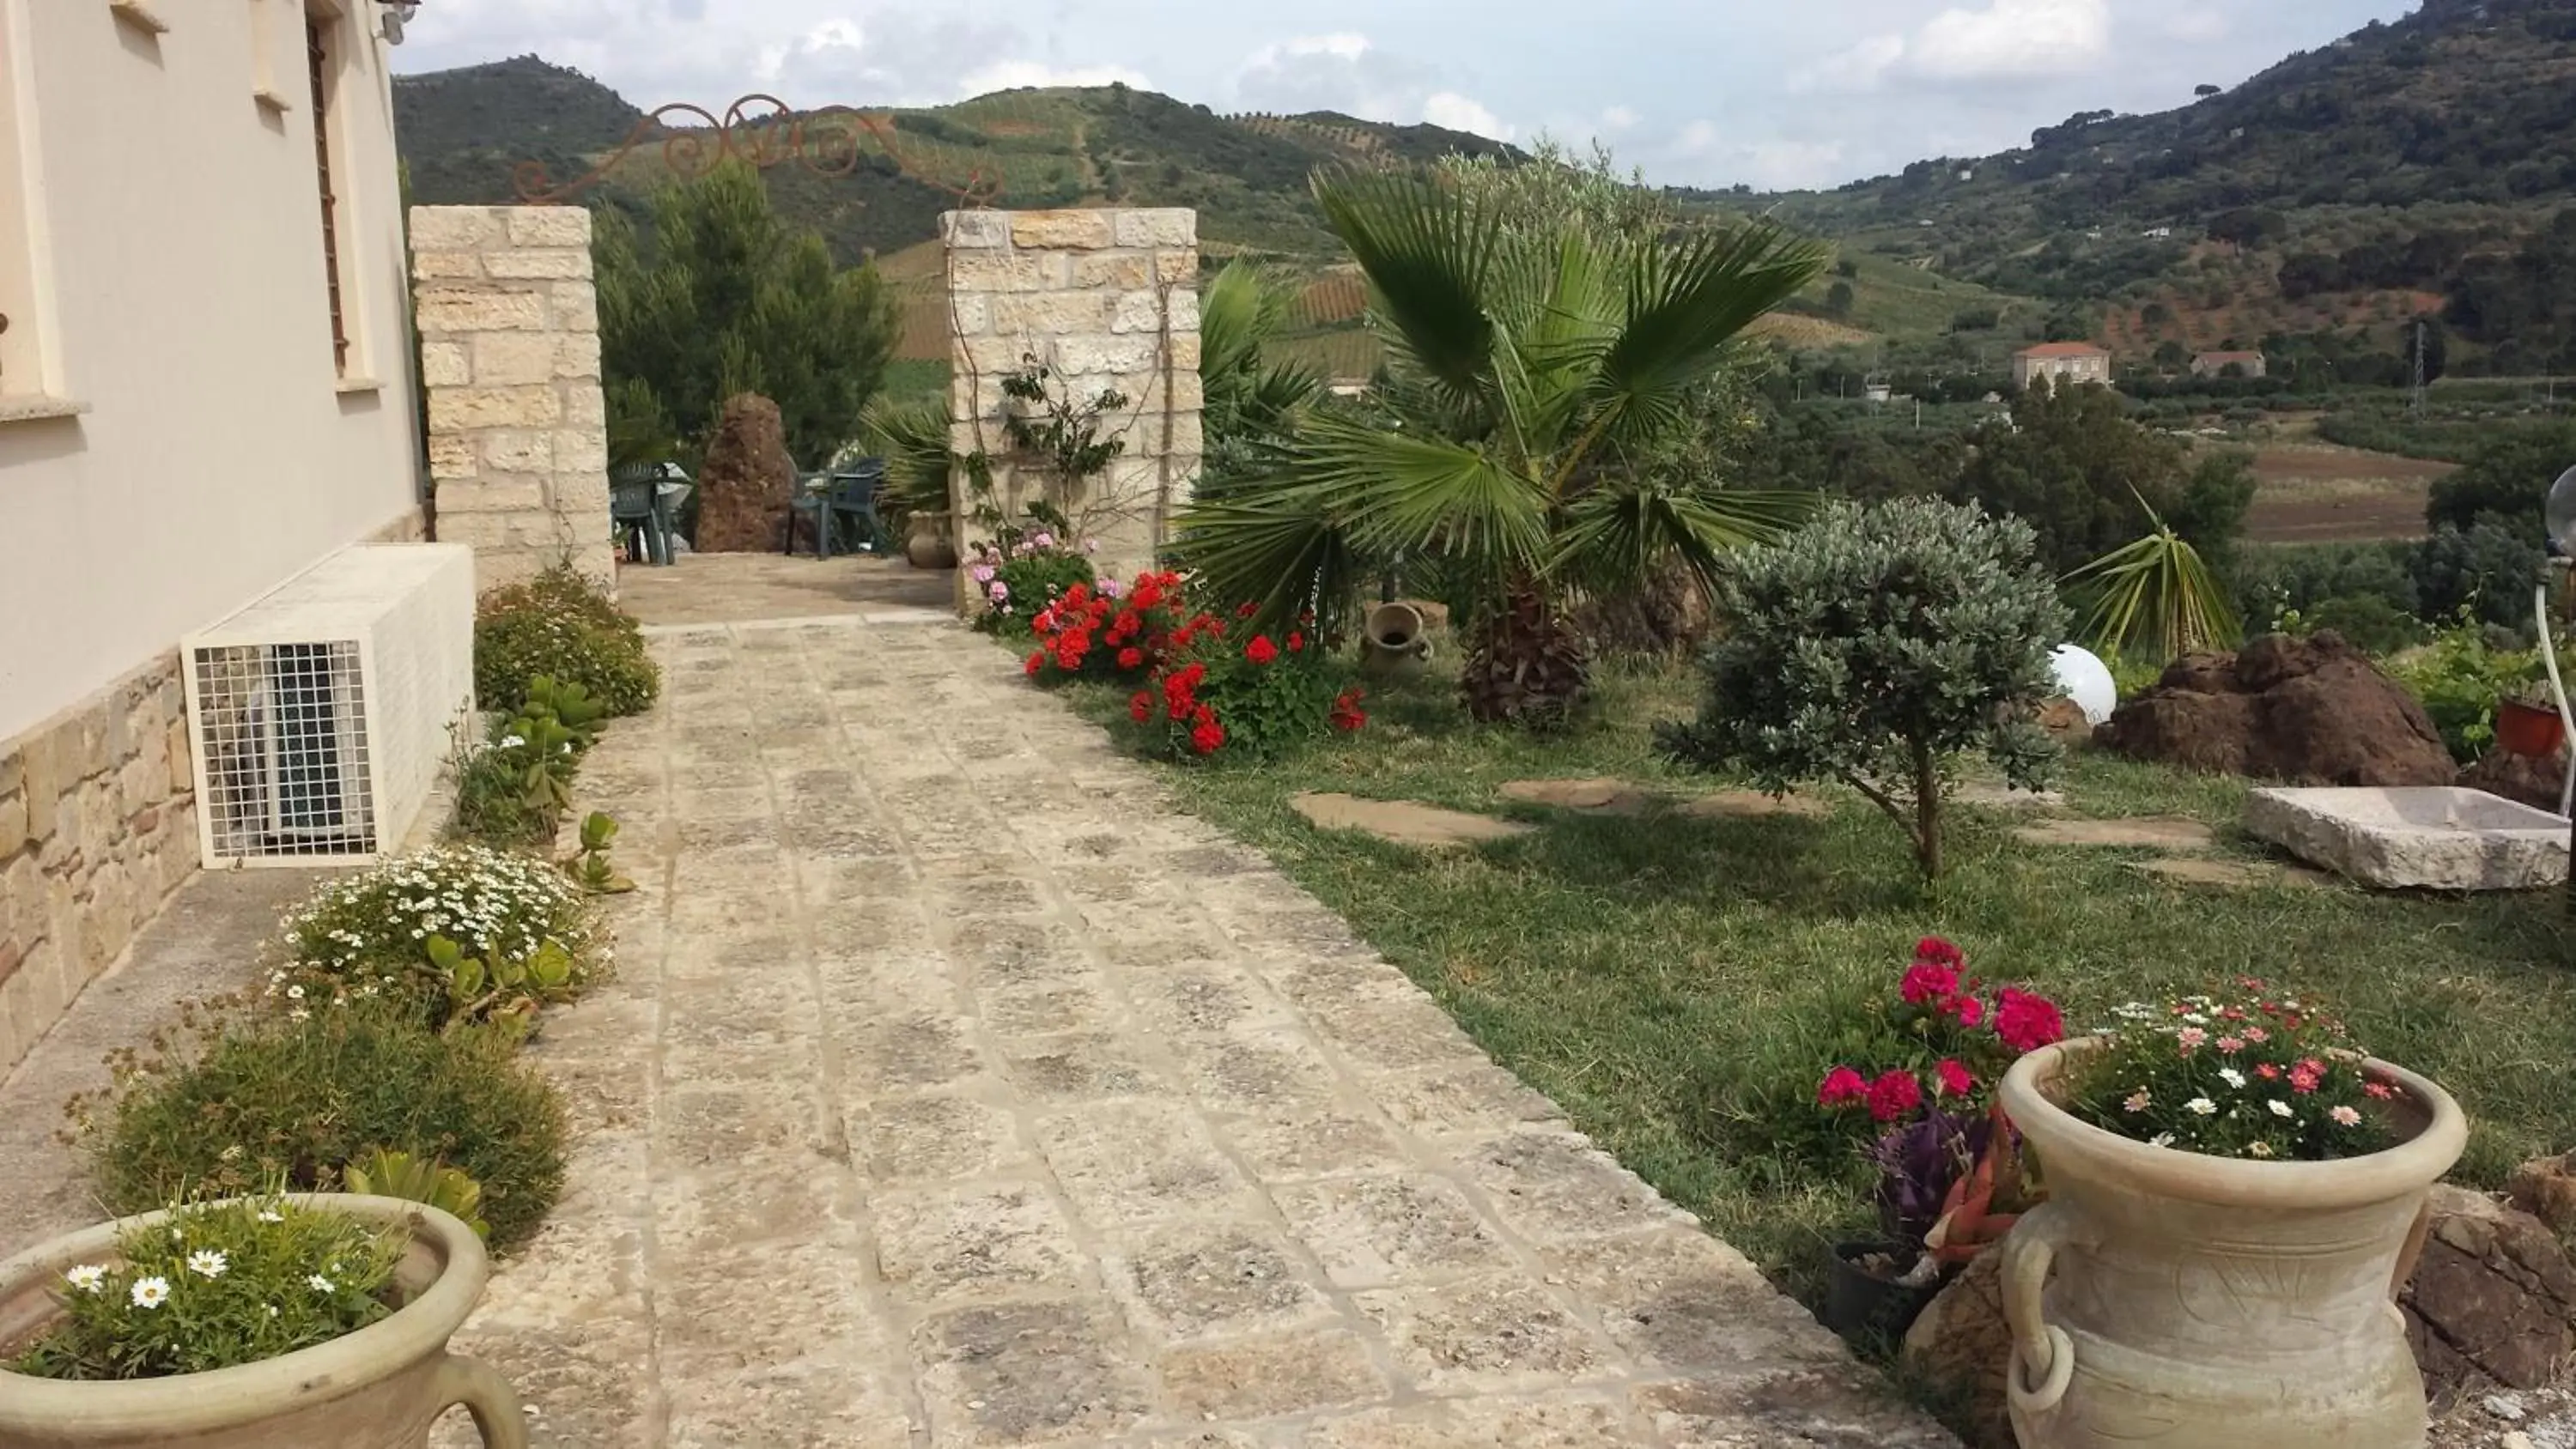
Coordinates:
[175,226]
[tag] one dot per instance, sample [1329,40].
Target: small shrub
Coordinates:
[383,1173]
[2368,622]
[2249,1076]
[1021,578]
[1105,632]
[2459,678]
[372,934]
[559,626]
[1873,647]
[1252,697]
[2489,568]
[225,1284]
[253,1100]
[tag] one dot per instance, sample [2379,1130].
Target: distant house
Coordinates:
[2060,362]
[2215,364]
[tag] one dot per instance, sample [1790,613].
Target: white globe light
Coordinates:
[2561,512]
[2085,679]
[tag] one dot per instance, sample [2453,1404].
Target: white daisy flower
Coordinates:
[2231,1076]
[2280,1108]
[2259,1149]
[88,1277]
[318,1283]
[2161,1139]
[2200,1106]
[271,1215]
[151,1292]
[2345,1117]
[207,1263]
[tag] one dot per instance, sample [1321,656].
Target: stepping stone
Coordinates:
[1754,805]
[1598,796]
[2228,874]
[2160,832]
[1996,795]
[1404,822]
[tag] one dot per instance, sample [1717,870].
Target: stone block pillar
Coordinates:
[509,357]
[1108,301]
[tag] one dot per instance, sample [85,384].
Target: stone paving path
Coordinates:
[956,1090]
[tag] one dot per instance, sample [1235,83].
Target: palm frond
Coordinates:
[1278,548]
[1686,308]
[1619,535]
[1427,251]
[2154,598]
[1401,492]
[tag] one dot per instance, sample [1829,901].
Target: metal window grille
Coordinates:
[284,734]
[317,56]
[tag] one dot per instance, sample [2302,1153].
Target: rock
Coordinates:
[2163,832]
[2493,1300]
[2426,838]
[747,481]
[2226,874]
[1754,805]
[2064,720]
[2001,795]
[2545,1187]
[2503,1406]
[1599,796]
[1962,1344]
[2523,779]
[2312,711]
[1403,821]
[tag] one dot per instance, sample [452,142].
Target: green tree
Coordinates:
[1873,648]
[2506,479]
[2074,467]
[724,298]
[1531,362]
[1838,299]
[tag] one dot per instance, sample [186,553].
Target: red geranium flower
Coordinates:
[1208,738]
[1347,714]
[1296,640]
[1955,1080]
[1934,951]
[2026,1021]
[1968,1009]
[1841,1085]
[1246,610]
[1260,650]
[1927,982]
[1131,658]
[1893,1095]
[1141,708]
[1036,662]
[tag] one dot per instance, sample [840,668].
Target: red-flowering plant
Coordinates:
[1100,631]
[2252,1074]
[1947,1166]
[1221,690]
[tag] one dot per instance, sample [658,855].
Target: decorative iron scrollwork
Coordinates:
[765,132]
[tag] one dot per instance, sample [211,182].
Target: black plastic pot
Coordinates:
[1865,1306]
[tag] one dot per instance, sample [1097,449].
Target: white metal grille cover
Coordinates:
[321,713]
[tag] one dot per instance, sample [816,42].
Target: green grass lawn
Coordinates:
[1676,984]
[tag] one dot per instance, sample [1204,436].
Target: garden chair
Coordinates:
[635,512]
[830,497]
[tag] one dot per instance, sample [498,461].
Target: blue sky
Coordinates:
[1696,92]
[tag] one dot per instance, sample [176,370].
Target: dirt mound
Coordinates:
[2311,711]
[747,481]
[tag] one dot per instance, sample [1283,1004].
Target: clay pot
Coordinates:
[1867,1306]
[2167,1297]
[2528,730]
[377,1388]
[1394,643]
[928,546]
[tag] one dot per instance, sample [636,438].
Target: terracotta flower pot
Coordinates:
[1394,642]
[377,1388]
[2166,1297]
[927,545]
[2528,729]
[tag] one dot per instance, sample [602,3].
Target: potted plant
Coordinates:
[2527,722]
[2235,1195]
[1948,1166]
[314,1320]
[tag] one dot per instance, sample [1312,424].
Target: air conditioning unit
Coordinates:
[323,713]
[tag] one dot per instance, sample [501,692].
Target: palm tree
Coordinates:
[1531,368]
[2154,599]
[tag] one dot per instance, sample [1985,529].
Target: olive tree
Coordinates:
[1876,645]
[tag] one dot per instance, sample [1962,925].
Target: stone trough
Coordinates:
[2429,838]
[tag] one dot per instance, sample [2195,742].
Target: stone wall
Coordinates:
[1107,299]
[98,825]
[509,355]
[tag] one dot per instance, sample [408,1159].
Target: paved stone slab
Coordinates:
[957,1091]
[2161,832]
[1404,822]
[1596,796]
[1755,805]
[2433,838]
[2237,875]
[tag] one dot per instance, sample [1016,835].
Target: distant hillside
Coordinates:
[2413,168]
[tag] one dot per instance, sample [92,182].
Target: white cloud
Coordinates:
[2196,24]
[1703,149]
[1013,74]
[2013,40]
[1452,111]
[1860,68]
[1620,118]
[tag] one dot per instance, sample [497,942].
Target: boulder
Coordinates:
[2523,779]
[2312,711]
[747,481]
[1963,1346]
[2064,720]
[2493,1300]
